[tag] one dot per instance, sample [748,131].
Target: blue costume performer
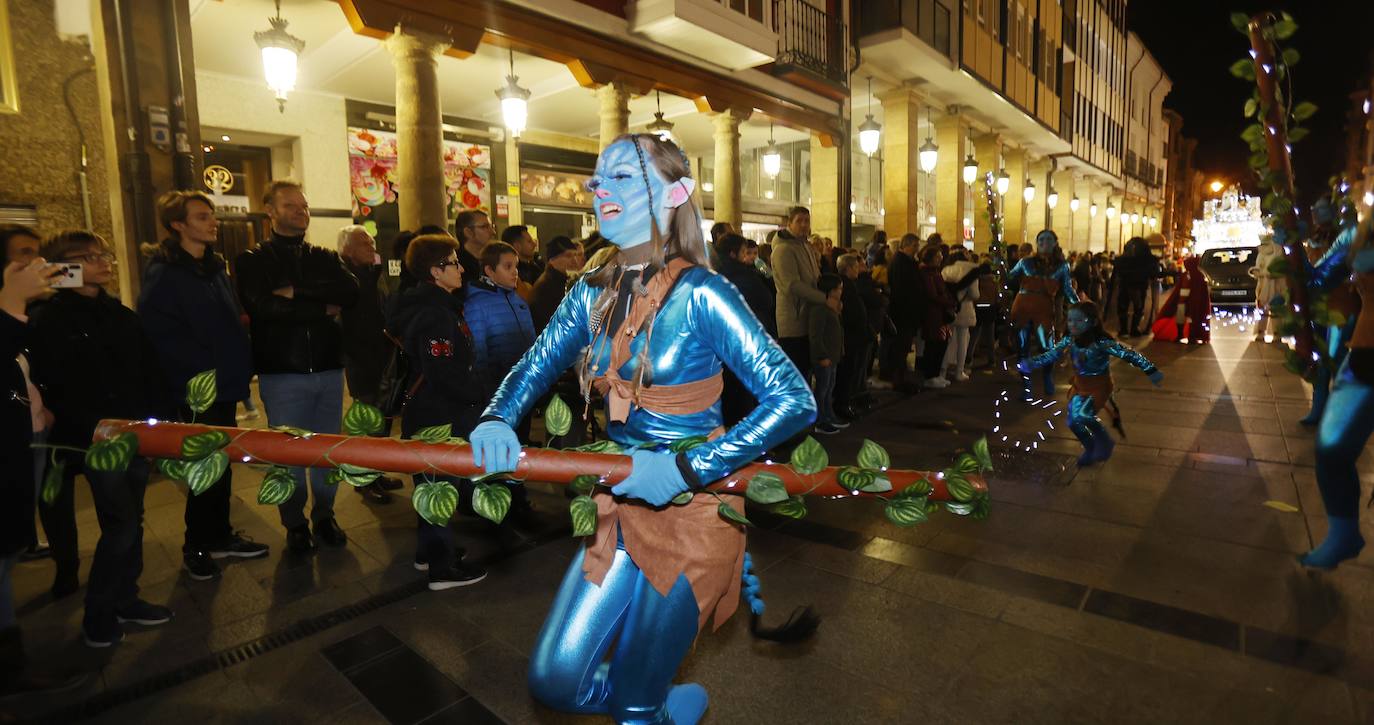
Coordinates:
[651,328]
[1042,278]
[1348,419]
[1092,350]
[1340,295]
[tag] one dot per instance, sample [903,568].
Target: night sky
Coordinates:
[1194,41]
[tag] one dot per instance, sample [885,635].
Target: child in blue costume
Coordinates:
[652,327]
[1326,229]
[1043,277]
[1348,419]
[1092,350]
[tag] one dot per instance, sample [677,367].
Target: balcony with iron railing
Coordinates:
[812,45]
[930,20]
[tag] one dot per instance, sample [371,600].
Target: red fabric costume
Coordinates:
[1196,313]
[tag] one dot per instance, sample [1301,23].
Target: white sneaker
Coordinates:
[936,382]
[960,376]
[879,384]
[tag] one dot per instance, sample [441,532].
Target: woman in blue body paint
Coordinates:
[652,328]
[1042,278]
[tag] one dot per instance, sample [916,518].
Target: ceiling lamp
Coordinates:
[1073,206]
[279,52]
[929,153]
[970,169]
[1111,211]
[1003,182]
[1135,218]
[1092,209]
[1028,192]
[1052,199]
[772,157]
[870,131]
[515,101]
[660,126]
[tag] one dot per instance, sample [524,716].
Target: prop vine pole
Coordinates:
[164,440]
[1273,117]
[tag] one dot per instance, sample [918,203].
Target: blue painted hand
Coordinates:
[1156,377]
[655,478]
[495,447]
[1023,366]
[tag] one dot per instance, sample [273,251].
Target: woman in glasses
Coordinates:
[441,389]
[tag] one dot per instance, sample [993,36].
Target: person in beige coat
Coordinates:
[795,271]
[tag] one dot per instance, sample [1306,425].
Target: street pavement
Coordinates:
[1158,587]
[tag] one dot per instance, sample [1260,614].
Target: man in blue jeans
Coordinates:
[293,293]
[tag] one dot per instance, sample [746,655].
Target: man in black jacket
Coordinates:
[293,293]
[473,230]
[564,258]
[190,313]
[906,309]
[859,337]
[735,255]
[93,361]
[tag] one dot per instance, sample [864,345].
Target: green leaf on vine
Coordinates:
[436,501]
[584,484]
[557,417]
[1284,29]
[583,512]
[919,489]
[277,486]
[1241,22]
[766,488]
[491,501]
[113,455]
[362,420]
[435,433]
[906,511]
[291,431]
[200,391]
[684,498]
[981,508]
[173,468]
[966,463]
[201,445]
[1290,56]
[52,481]
[683,445]
[809,457]
[1251,106]
[793,508]
[1296,134]
[355,476]
[1253,132]
[202,474]
[980,452]
[854,479]
[1243,69]
[602,446]
[1304,110]
[960,508]
[872,455]
[959,488]
[729,513]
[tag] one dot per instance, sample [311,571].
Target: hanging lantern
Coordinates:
[280,50]
[1052,199]
[772,157]
[970,169]
[1003,182]
[1092,209]
[1027,192]
[870,131]
[515,101]
[1073,206]
[660,126]
[1111,211]
[1135,218]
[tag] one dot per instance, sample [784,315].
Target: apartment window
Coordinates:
[942,29]
[982,12]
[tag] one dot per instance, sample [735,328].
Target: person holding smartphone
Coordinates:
[93,361]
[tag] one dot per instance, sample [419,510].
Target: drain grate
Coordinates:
[239,654]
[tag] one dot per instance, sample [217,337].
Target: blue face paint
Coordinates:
[1046,241]
[621,199]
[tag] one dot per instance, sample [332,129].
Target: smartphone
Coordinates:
[69,277]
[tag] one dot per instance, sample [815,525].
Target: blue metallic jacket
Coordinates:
[1095,359]
[1027,267]
[703,323]
[1334,266]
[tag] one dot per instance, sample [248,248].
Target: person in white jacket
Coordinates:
[1266,286]
[965,316]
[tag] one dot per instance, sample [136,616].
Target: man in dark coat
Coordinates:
[736,256]
[293,293]
[191,315]
[907,292]
[564,259]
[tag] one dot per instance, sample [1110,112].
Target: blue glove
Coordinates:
[1156,377]
[495,446]
[1363,261]
[1024,366]
[655,478]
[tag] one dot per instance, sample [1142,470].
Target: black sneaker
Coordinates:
[199,565]
[298,539]
[458,576]
[145,613]
[239,546]
[101,631]
[329,532]
[826,429]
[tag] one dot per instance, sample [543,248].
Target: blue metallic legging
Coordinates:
[1083,420]
[651,633]
[1039,334]
[1345,428]
[1336,337]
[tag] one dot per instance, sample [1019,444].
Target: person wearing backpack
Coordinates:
[442,389]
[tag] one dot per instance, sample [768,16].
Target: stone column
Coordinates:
[421,193]
[1082,221]
[1062,218]
[727,183]
[515,213]
[987,148]
[951,135]
[826,209]
[615,111]
[1014,227]
[901,160]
